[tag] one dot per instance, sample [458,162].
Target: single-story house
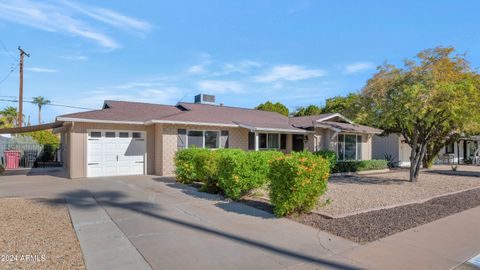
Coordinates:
[465,150]
[127,138]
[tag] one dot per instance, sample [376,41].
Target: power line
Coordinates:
[8,74]
[50,104]
[8,51]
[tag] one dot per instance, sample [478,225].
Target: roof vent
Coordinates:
[205,99]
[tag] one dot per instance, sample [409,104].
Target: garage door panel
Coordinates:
[110,156]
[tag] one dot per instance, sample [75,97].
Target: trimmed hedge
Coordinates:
[297,181]
[206,166]
[185,168]
[331,156]
[360,165]
[240,171]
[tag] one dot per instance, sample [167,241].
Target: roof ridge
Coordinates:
[234,107]
[139,102]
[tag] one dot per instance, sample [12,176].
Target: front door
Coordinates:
[297,142]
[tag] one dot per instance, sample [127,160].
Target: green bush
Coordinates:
[185,169]
[240,171]
[2,169]
[206,166]
[297,181]
[360,165]
[331,156]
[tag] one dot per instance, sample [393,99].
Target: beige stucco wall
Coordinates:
[166,142]
[77,145]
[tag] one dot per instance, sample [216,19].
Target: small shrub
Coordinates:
[331,156]
[185,165]
[240,171]
[391,161]
[360,165]
[206,166]
[2,169]
[297,181]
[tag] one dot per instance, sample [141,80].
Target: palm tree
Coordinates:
[10,115]
[40,101]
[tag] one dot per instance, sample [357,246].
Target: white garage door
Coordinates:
[111,153]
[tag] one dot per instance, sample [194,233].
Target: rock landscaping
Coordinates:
[34,235]
[355,194]
[374,225]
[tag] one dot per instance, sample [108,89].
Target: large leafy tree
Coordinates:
[426,100]
[9,116]
[273,107]
[40,101]
[306,111]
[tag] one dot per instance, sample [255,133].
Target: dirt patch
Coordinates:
[34,235]
[374,225]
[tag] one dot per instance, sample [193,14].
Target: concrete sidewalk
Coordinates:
[443,244]
[103,245]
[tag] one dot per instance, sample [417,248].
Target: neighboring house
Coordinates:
[125,138]
[391,146]
[465,150]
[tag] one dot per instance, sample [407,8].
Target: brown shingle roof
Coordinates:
[123,111]
[126,111]
[307,121]
[347,127]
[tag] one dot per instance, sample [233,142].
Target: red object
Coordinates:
[12,159]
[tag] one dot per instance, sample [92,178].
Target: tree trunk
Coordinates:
[39,115]
[416,157]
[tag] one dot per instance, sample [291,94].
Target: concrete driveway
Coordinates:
[172,226]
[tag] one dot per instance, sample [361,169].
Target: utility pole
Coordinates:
[20,95]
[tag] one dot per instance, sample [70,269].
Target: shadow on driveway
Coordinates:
[119,200]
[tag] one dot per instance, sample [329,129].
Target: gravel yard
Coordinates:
[356,194]
[374,225]
[34,235]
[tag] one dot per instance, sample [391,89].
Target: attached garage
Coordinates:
[113,152]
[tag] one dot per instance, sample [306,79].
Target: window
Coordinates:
[123,135]
[195,138]
[262,140]
[137,135]
[224,139]
[273,141]
[95,134]
[182,138]
[211,139]
[349,147]
[283,141]
[110,134]
[202,138]
[251,141]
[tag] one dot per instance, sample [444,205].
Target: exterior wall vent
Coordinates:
[205,99]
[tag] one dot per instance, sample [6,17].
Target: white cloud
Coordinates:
[243,66]
[289,73]
[110,17]
[42,70]
[63,18]
[358,67]
[197,69]
[218,87]
[75,57]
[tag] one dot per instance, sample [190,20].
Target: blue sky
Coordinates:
[245,52]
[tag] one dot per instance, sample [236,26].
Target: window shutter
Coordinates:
[224,140]
[182,139]
[283,141]
[251,141]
